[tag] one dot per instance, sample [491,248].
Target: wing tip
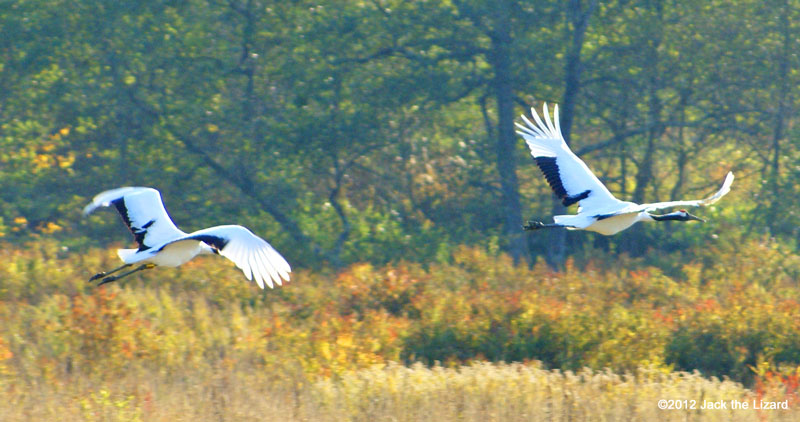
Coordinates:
[257,259]
[104,198]
[281,271]
[547,128]
[89,208]
[729,179]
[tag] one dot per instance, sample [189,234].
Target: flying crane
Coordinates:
[161,243]
[572,181]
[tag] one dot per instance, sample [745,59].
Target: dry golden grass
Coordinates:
[476,392]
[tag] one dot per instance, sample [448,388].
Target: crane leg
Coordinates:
[105,273]
[109,279]
[536,225]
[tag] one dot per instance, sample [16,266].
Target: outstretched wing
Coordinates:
[568,175]
[726,187]
[252,254]
[142,211]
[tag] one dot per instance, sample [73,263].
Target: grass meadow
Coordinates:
[479,391]
[473,339]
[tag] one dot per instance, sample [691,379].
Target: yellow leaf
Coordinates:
[66,161]
[325,350]
[345,341]
[51,228]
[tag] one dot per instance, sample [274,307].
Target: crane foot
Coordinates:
[107,280]
[533,225]
[96,276]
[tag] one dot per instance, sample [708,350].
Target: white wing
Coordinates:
[252,254]
[726,187]
[142,211]
[568,175]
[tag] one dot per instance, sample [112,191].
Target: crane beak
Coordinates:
[694,217]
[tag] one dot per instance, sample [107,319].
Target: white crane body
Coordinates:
[175,253]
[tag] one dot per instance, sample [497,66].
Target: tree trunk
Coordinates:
[683,154]
[655,127]
[579,20]
[780,119]
[500,58]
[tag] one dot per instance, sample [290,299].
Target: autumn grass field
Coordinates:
[401,342]
[475,392]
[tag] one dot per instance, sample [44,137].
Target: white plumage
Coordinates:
[573,182]
[162,243]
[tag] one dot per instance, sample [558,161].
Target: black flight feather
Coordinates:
[138,232]
[551,172]
[216,242]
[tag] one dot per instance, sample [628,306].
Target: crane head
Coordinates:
[680,215]
[686,216]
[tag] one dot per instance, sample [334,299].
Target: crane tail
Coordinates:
[128,256]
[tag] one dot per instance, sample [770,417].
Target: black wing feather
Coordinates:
[549,168]
[216,242]
[138,232]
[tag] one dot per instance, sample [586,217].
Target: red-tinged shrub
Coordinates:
[5,354]
[731,338]
[777,385]
[477,306]
[392,288]
[105,332]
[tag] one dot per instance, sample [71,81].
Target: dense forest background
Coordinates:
[378,131]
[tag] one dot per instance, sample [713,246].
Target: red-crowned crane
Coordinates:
[573,182]
[162,243]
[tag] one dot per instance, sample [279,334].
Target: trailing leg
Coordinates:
[536,225]
[105,273]
[117,277]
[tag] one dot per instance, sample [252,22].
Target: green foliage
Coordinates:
[365,131]
[568,321]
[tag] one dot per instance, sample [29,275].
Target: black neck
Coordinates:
[668,217]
